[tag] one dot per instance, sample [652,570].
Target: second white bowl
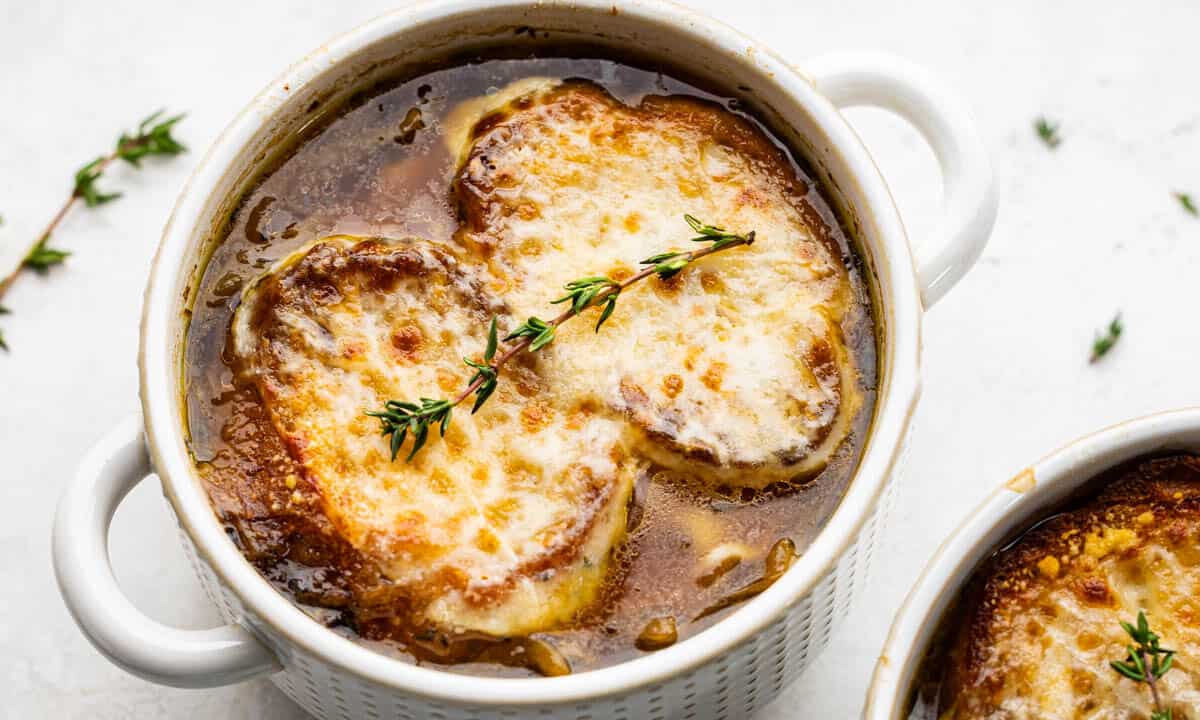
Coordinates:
[1019,503]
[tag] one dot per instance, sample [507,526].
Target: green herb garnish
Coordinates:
[1104,341]
[400,419]
[485,378]
[582,293]
[1187,203]
[85,183]
[1048,132]
[152,137]
[539,332]
[667,265]
[1146,662]
[41,258]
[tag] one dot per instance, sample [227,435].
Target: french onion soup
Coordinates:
[405,433]
[1056,624]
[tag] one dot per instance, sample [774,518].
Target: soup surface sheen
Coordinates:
[660,470]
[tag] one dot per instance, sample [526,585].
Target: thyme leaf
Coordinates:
[1105,340]
[485,375]
[492,343]
[398,419]
[152,138]
[1048,132]
[85,183]
[1187,203]
[582,294]
[539,332]
[42,257]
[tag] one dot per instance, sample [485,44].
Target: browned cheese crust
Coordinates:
[1042,618]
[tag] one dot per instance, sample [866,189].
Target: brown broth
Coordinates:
[349,176]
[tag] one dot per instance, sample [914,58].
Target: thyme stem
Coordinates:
[1152,681]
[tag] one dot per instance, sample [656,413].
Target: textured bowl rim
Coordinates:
[1016,504]
[277,621]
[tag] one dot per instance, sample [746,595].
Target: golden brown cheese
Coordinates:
[1042,621]
[737,368]
[504,525]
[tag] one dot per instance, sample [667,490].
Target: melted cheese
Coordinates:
[461,122]
[1041,635]
[1057,660]
[736,368]
[502,526]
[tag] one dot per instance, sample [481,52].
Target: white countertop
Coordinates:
[1083,231]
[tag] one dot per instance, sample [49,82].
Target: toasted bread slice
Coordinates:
[735,370]
[504,526]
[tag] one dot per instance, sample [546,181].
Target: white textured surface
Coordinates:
[1083,231]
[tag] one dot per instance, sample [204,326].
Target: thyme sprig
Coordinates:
[1105,340]
[400,419]
[1048,132]
[1146,662]
[152,138]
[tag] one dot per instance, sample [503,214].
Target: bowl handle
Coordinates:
[897,85]
[140,645]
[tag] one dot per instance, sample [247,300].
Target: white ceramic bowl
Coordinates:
[726,671]
[1019,503]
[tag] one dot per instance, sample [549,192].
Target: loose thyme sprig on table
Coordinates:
[152,137]
[1106,340]
[1146,662]
[399,419]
